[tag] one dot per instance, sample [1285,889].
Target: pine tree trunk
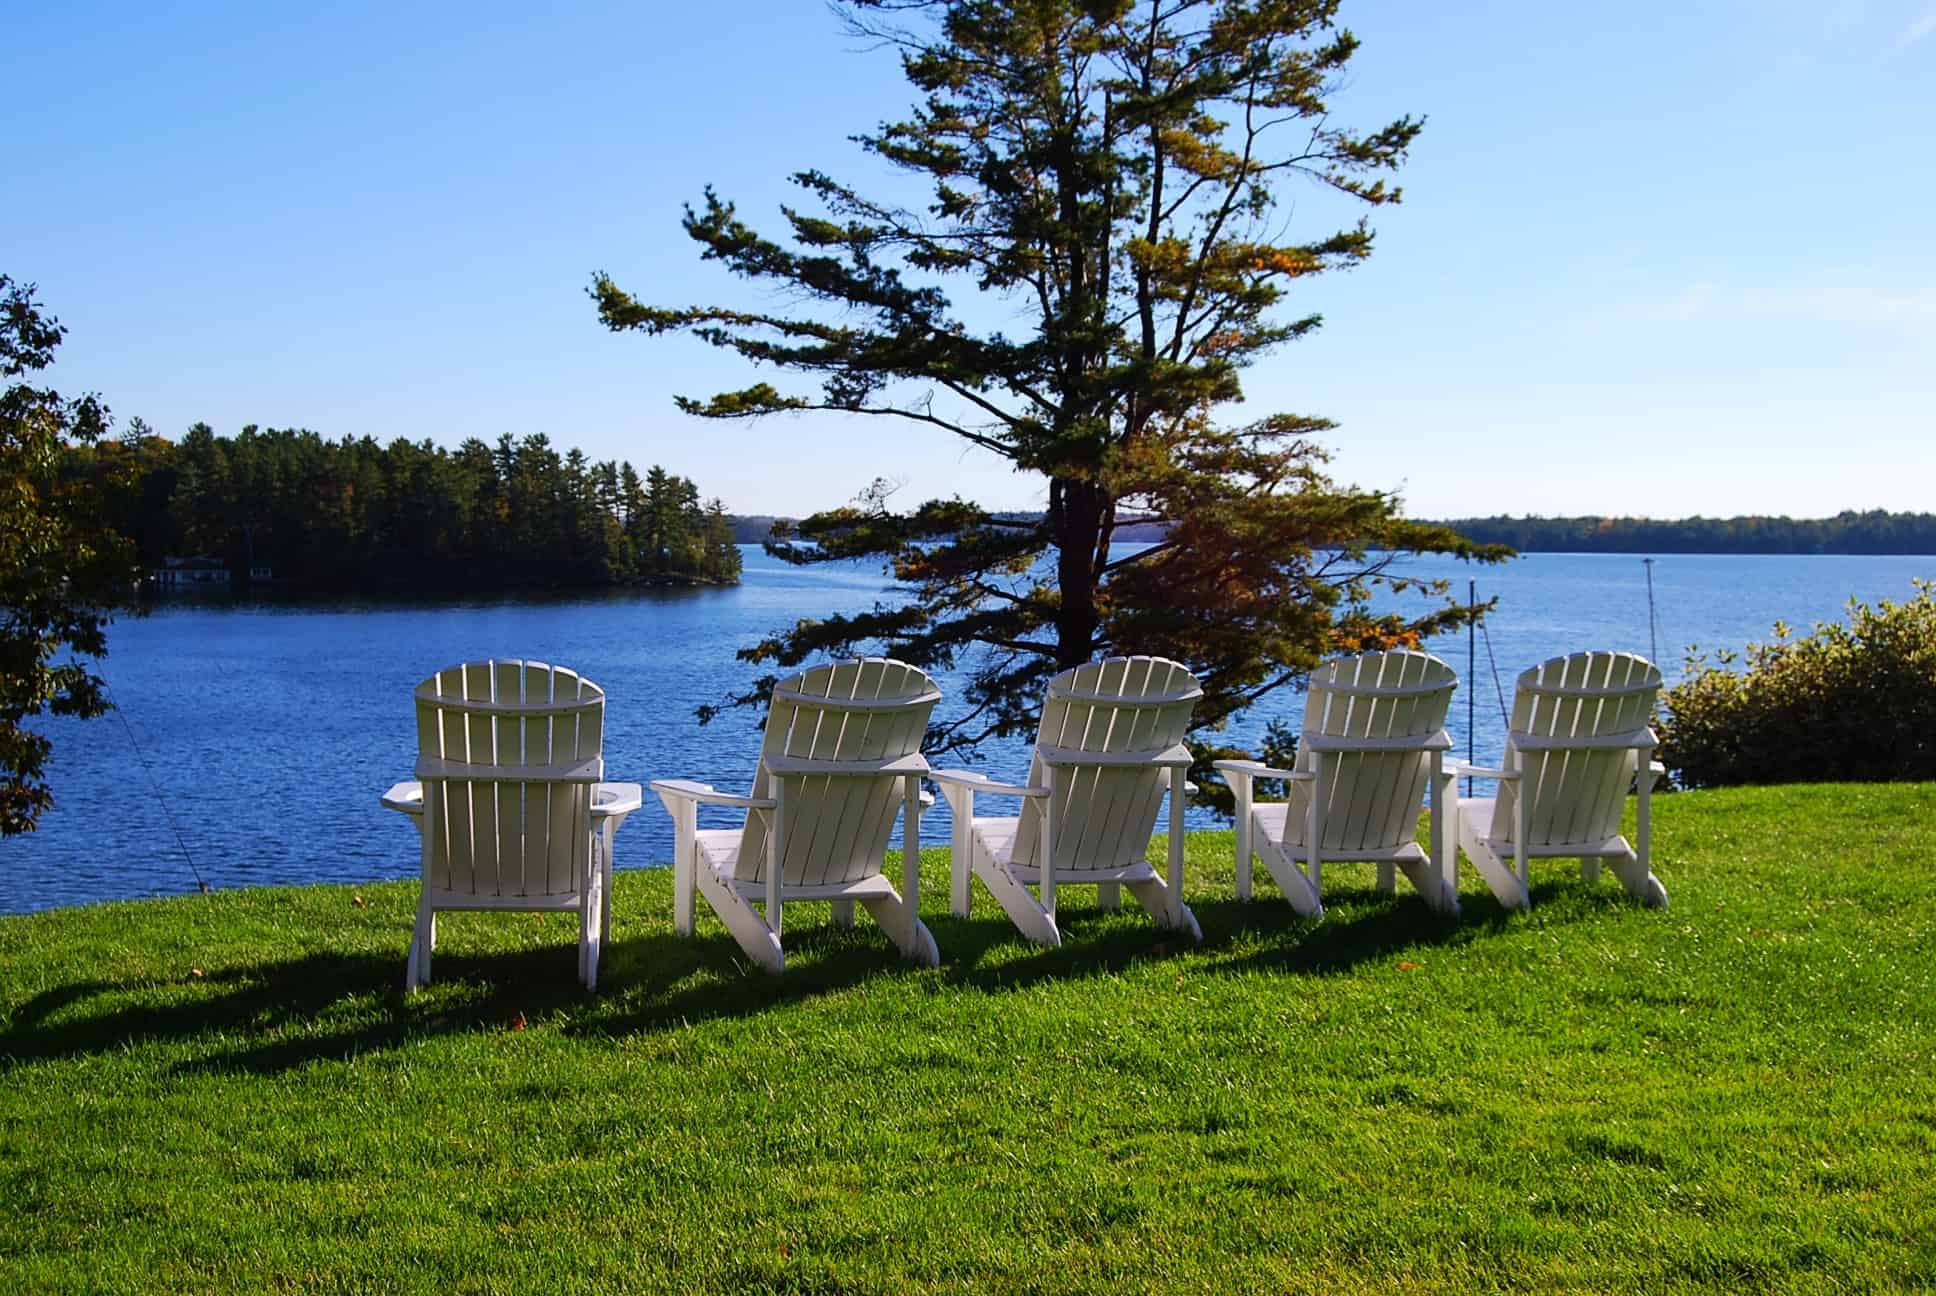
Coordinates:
[1075,514]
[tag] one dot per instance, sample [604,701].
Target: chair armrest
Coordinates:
[1459,769]
[1257,769]
[702,793]
[982,783]
[405,797]
[610,800]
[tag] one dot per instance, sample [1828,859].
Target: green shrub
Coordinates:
[1853,703]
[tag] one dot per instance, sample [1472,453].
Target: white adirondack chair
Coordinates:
[510,810]
[1109,747]
[1579,732]
[842,754]
[1373,744]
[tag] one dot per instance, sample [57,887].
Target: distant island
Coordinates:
[1873,532]
[286,509]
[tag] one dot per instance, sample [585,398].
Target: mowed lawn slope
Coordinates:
[229,1092]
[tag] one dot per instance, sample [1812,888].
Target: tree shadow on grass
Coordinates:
[249,999]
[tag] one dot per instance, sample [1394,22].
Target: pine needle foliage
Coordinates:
[1110,173]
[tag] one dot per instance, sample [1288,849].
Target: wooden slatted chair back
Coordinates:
[1118,706]
[1570,716]
[870,709]
[508,753]
[1371,798]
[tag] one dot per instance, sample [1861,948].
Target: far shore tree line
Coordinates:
[352,514]
[1874,531]
[1849,532]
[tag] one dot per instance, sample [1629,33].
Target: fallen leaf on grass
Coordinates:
[1408,967]
[357,900]
[195,972]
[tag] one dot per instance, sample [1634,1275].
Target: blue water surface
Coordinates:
[264,732]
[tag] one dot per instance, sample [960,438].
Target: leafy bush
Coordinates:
[1854,703]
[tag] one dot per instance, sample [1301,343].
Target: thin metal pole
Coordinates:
[1653,635]
[1471,670]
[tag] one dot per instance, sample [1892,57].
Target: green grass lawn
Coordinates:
[230,1093]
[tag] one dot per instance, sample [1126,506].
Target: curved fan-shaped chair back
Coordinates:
[1105,813]
[508,753]
[867,710]
[1577,724]
[1370,797]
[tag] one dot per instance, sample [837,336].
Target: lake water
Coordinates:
[269,729]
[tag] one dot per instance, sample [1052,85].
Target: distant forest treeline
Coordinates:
[1873,532]
[352,514]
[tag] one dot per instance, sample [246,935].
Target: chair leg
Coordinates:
[1023,909]
[605,886]
[1293,881]
[1640,882]
[590,929]
[749,929]
[961,851]
[422,937]
[685,860]
[1501,875]
[1166,907]
[909,934]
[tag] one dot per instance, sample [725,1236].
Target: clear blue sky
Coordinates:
[1653,259]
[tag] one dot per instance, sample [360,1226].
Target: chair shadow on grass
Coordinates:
[267,1018]
[1293,944]
[1359,927]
